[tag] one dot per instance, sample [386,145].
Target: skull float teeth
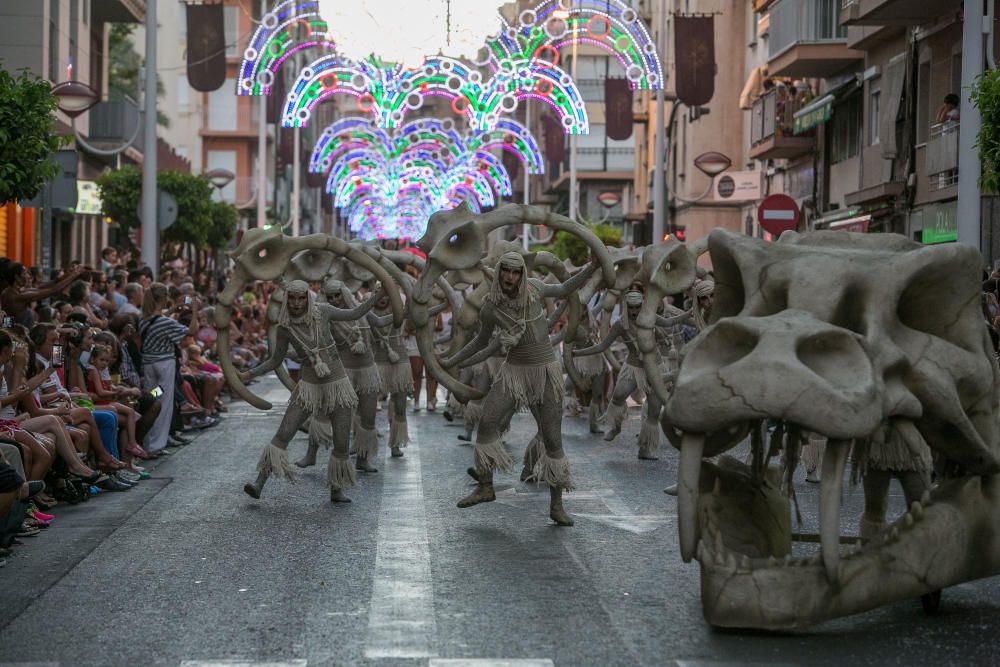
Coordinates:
[850,338]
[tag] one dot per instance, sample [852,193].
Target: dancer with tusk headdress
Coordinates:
[324,388]
[353,340]
[530,375]
[632,375]
[393,364]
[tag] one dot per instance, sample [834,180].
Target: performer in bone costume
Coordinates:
[529,376]
[394,366]
[591,371]
[355,351]
[324,388]
[632,376]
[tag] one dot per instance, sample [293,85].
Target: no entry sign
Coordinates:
[777,214]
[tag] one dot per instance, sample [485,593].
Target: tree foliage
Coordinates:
[27,141]
[985,95]
[123,67]
[566,245]
[225,220]
[200,221]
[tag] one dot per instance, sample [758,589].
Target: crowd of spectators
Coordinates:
[103,370]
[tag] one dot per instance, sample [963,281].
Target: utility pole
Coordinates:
[150,225]
[969,167]
[659,146]
[526,228]
[296,168]
[574,194]
[262,147]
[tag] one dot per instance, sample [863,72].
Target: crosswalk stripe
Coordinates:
[490,662]
[401,614]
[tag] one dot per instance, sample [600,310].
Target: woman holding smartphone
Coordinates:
[160,337]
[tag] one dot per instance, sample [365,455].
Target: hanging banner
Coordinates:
[314,180]
[206,47]
[512,164]
[694,53]
[276,100]
[555,139]
[618,108]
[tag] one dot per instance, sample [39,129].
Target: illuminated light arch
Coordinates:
[610,24]
[387,183]
[291,26]
[393,91]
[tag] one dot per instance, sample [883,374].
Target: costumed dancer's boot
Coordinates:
[614,418]
[483,493]
[594,415]
[556,510]
[339,475]
[254,490]
[310,457]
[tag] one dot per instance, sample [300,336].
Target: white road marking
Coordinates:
[635,523]
[401,613]
[619,512]
[242,663]
[490,662]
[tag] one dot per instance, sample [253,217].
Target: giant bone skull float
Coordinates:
[837,333]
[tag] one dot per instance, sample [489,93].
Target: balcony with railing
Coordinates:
[941,155]
[895,12]
[807,40]
[772,126]
[112,123]
[118,11]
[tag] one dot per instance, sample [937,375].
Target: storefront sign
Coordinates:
[88,199]
[940,223]
[737,186]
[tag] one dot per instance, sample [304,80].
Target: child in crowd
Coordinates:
[104,392]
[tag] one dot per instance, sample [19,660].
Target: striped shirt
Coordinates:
[160,337]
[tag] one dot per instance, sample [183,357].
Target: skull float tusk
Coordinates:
[834,464]
[688,475]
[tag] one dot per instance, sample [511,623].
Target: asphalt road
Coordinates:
[187,570]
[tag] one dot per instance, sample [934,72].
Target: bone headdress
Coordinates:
[838,334]
[456,240]
[267,255]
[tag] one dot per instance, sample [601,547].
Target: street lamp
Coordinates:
[220,178]
[74,97]
[711,164]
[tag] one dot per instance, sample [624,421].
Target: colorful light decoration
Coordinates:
[387,183]
[523,59]
[388,93]
[540,32]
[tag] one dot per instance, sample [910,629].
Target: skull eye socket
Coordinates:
[453,239]
[262,253]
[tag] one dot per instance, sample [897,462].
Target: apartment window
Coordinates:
[923,102]
[222,108]
[845,130]
[874,111]
[183,97]
[54,41]
[591,71]
[231,21]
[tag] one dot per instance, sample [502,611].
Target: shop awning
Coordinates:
[820,110]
